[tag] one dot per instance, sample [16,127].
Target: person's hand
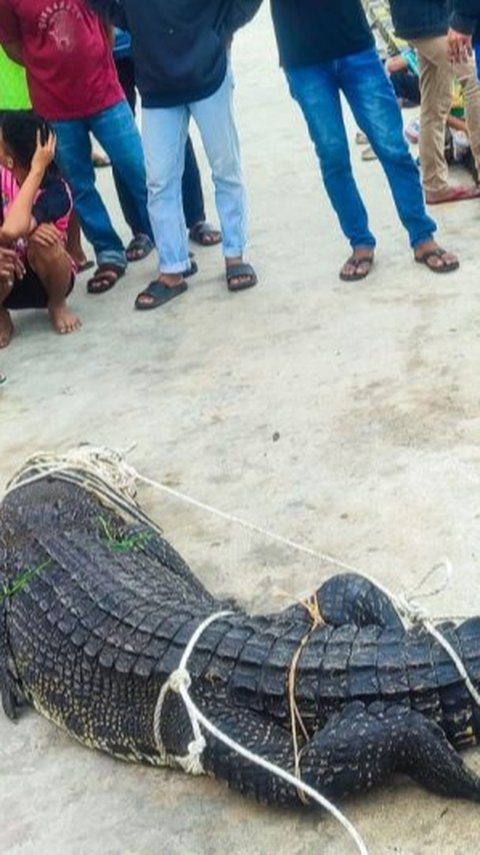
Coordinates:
[45,152]
[8,267]
[459,46]
[396,63]
[46,234]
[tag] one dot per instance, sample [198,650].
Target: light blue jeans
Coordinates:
[165,132]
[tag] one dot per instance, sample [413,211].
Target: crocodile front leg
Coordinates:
[9,691]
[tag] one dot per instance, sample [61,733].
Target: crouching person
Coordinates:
[35,208]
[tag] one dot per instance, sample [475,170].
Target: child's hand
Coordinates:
[8,260]
[45,152]
[46,234]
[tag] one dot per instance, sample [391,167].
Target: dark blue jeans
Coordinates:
[366,87]
[117,133]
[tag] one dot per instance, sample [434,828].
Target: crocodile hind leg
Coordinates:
[361,746]
[8,689]
[350,598]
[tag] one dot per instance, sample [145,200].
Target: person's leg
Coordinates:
[165,132]
[216,122]
[74,245]
[51,264]
[374,106]
[436,79]
[116,131]
[466,72]
[74,159]
[316,90]
[126,75]
[193,202]
[192,193]
[6,323]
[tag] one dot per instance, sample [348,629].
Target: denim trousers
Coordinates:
[165,133]
[363,81]
[192,193]
[117,133]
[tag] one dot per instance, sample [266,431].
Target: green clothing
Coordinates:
[13,85]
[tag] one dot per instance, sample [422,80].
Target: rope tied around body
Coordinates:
[180,682]
[106,474]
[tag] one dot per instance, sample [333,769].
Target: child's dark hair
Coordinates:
[19,132]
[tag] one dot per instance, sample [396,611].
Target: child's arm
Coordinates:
[19,222]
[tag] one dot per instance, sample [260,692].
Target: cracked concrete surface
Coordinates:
[344,416]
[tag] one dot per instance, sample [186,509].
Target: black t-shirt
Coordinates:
[310,32]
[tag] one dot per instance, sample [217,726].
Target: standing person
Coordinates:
[73,83]
[180,51]
[424,24]
[326,49]
[199,230]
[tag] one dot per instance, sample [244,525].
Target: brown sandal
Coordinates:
[356,262]
[104,278]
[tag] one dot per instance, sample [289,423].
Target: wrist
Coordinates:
[37,171]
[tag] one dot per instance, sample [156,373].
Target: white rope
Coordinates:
[114,478]
[179,682]
[107,473]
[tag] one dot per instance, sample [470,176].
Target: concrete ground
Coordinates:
[344,416]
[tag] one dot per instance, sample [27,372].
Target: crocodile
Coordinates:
[98,608]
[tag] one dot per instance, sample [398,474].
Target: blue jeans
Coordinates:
[192,195]
[117,133]
[366,87]
[165,132]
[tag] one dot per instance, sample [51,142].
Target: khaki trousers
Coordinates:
[437,73]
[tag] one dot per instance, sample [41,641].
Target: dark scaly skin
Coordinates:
[91,638]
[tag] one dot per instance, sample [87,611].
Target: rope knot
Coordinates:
[178,680]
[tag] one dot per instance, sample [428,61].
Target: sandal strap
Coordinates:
[237,270]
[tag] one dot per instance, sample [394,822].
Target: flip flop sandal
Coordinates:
[243,270]
[100,161]
[205,235]
[2,379]
[368,153]
[361,138]
[139,248]
[158,294]
[101,282]
[457,194]
[192,269]
[437,253]
[357,275]
[87,265]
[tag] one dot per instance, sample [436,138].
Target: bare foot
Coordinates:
[6,328]
[63,320]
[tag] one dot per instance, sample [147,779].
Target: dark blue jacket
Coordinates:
[420,19]
[466,16]
[179,46]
